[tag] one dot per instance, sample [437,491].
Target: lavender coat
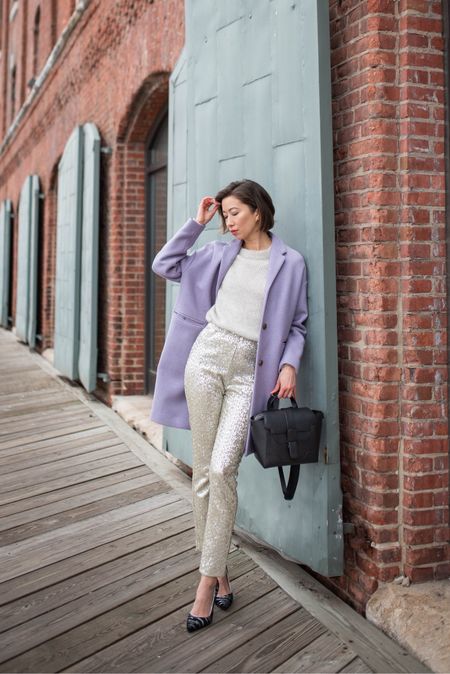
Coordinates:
[282,331]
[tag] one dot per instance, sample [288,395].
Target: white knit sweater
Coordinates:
[239,301]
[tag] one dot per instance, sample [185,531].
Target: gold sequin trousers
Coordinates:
[218,383]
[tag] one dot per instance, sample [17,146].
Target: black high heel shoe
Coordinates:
[196,622]
[224,601]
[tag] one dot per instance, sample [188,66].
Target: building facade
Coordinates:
[106,68]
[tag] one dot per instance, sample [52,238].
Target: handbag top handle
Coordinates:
[274,402]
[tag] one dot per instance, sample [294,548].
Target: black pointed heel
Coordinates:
[196,622]
[224,601]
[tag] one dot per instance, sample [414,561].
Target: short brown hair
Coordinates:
[254,195]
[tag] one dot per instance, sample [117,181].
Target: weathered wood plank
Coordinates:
[154,591]
[55,469]
[272,646]
[85,614]
[106,457]
[81,513]
[33,381]
[28,427]
[42,418]
[105,467]
[377,650]
[64,505]
[61,430]
[38,457]
[145,530]
[14,406]
[231,630]
[51,497]
[356,666]
[131,555]
[12,374]
[166,631]
[51,412]
[39,551]
[326,654]
[70,440]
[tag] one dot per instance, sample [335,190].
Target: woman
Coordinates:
[237,334]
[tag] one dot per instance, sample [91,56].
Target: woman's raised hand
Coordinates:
[204,214]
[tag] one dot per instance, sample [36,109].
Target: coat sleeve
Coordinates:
[296,339]
[172,260]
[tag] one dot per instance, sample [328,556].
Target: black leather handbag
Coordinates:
[286,437]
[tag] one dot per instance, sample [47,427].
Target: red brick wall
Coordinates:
[388,121]
[114,72]
[29,54]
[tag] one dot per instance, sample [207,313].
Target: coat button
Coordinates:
[260,362]
[264,326]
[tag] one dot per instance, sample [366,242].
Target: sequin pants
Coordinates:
[218,384]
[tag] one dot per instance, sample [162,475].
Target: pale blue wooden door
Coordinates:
[23,262]
[250,97]
[68,245]
[5,259]
[26,303]
[33,267]
[87,361]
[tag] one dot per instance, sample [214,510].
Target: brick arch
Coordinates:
[127,238]
[144,109]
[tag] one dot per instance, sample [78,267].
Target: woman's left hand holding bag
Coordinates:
[286,382]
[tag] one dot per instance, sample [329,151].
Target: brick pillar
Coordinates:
[424,450]
[388,123]
[48,269]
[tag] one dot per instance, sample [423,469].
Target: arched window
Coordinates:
[54,22]
[36,29]
[156,218]
[13,91]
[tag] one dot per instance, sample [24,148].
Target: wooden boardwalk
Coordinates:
[97,563]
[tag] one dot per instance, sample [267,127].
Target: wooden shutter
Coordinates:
[33,266]
[68,244]
[87,362]
[23,261]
